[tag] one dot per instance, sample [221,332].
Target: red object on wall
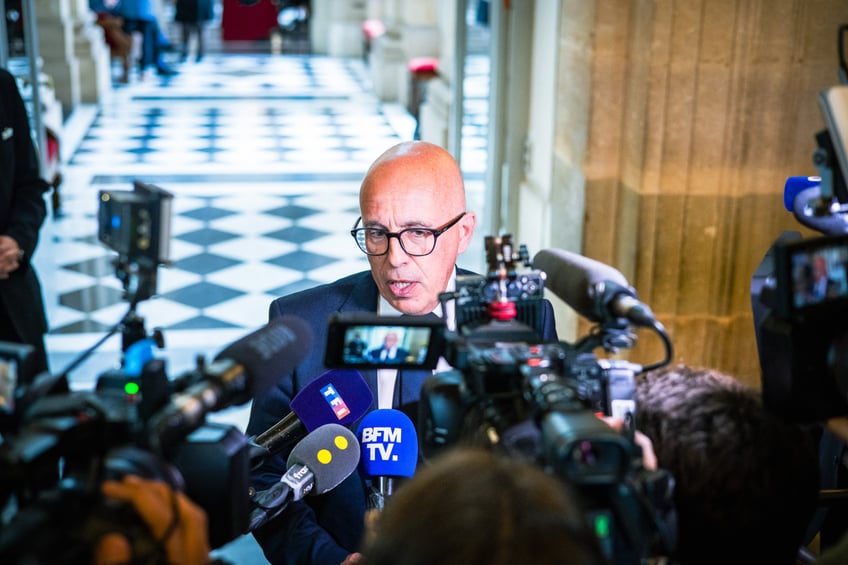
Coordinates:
[247,23]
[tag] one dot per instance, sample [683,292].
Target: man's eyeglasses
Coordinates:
[414,241]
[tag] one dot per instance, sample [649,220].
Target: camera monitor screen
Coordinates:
[360,340]
[813,274]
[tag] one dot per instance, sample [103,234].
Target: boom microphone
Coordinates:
[389,445]
[317,464]
[596,291]
[336,396]
[239,372]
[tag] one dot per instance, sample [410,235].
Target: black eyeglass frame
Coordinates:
[389,235]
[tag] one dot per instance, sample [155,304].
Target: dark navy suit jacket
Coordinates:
[325,529]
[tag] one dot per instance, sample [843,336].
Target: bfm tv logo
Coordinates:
[379,442]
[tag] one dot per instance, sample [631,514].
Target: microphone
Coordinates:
[317,464]
[389,447]
[338,396]
[239,372]
[596,291]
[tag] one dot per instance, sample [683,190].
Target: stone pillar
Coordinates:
[411,31]
[56,47]
[698,113]
[435,113]
[92,53]
[336,27]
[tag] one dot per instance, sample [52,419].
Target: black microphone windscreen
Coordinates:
[573,278]
[271,351]
[331,452]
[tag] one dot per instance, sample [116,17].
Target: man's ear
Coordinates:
[466,227]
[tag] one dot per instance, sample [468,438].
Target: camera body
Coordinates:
[136,224]
[801,316]
[65,443]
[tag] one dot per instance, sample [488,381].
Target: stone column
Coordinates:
[698,113]
[93,54]
[411,31]
[435,112]
[336,27]
[56,47]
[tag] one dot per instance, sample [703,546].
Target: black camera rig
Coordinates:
[511,392]
[58,445]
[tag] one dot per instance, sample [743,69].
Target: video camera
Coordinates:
[510,391]
[799,292]
[57,446]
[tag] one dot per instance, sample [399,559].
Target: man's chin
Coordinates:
[409,306]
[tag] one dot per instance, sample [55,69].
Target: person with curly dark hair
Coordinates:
[746,482]
[473,506]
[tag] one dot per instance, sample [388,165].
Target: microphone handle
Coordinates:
[284,433]
[380,492]
[268,504]
[386,485]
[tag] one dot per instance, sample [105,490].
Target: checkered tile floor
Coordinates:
[264,155]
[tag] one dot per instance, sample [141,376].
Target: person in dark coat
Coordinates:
[192,16]
[23,318]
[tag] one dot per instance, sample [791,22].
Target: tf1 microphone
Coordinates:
[317,464]
[338,396]
[389,445]
[243,369]
[596,291]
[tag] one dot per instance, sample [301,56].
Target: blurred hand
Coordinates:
[10,256]
[185,537]
[649,458]
[839,427]
[352,559]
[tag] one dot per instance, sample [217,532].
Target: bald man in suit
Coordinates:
[413,226]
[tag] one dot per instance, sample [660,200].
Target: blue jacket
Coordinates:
[325,529]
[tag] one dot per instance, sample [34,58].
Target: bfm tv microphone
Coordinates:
[596,291]
[243,369]
[338,396]
[389,445]
[317,464]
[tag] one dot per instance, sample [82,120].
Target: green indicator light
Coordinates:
[602,526]
[131,388]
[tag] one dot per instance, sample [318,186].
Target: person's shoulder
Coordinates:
[324,293]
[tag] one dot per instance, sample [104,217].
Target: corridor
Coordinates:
[263,155]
